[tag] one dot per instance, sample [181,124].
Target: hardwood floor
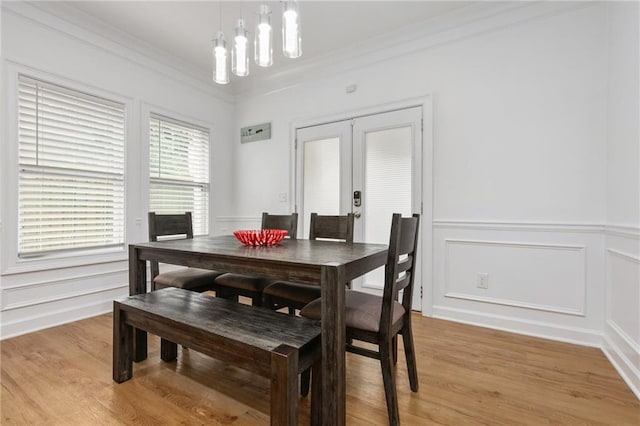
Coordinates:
[468,376]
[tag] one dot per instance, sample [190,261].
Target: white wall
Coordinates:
[532,172]
[519,121]
[622,327]
[41,293]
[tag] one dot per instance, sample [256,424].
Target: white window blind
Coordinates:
[179,170]
[71,169]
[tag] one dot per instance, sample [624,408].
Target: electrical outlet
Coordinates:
[482,280]
[282,197]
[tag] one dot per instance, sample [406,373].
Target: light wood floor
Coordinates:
[468,376]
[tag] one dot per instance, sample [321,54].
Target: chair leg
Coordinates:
[394,342]
[305,380]
[257,300]
[227,295]
[266,301]
[386,362]
[410,353]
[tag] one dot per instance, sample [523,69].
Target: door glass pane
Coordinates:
[321,180]
[387,186]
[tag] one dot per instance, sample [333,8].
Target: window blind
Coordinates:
[179,170]
[71,169]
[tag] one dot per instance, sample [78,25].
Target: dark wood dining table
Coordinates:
[328,264]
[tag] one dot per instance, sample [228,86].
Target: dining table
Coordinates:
[328,264]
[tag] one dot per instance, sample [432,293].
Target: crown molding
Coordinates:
[458,24]
[88,29]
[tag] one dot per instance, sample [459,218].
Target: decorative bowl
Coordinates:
[260,237]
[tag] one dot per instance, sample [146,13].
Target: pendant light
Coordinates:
[291,39]
[220,56]
[264,38]
[221,73]
[240,51]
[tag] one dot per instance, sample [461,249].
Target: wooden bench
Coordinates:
[268,343]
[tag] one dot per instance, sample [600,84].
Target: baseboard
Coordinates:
[55,318]
[544,330]
[616,347]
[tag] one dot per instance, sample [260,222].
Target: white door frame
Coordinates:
[426,218]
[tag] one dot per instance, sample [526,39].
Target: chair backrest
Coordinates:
[288,222]
[333,227]
[161,225]
[400,267]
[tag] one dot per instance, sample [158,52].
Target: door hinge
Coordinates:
[421,207]
[295,143]
[422,124]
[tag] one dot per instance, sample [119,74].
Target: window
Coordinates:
[71,169]
[179,170]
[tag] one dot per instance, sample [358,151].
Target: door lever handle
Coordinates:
[356,214]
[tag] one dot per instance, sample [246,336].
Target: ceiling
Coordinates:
[184,29]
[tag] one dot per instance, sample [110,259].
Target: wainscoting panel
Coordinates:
[527,275]
[623,273]
[622,327]
[542,279]
[41,299]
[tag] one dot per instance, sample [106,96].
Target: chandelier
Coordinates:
[262,45]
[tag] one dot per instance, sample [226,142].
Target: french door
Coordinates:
[368,165]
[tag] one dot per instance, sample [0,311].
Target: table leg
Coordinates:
[333,345]
[138,285]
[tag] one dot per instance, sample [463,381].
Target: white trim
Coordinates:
[96,33]
[459,24]
[629,372]
[623,255]
[147,110]
[590,228]
[514,303]
[55,318]
[62,280]
[73,295]
[425,102]
[625,231]
[575,335]
[10,263]
[518,244]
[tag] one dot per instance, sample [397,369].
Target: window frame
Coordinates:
[148,111]
[10,168]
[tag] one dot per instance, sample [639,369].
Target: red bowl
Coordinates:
[260,237]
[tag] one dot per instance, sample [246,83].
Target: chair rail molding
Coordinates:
[590,228]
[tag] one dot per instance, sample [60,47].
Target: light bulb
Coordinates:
[239,54]
[291,40]
[220,74]
[263,40]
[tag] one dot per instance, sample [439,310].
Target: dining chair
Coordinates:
[231,286]
[379,320]
[194,279]
[293,295]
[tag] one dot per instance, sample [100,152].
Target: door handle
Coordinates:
[356,215]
